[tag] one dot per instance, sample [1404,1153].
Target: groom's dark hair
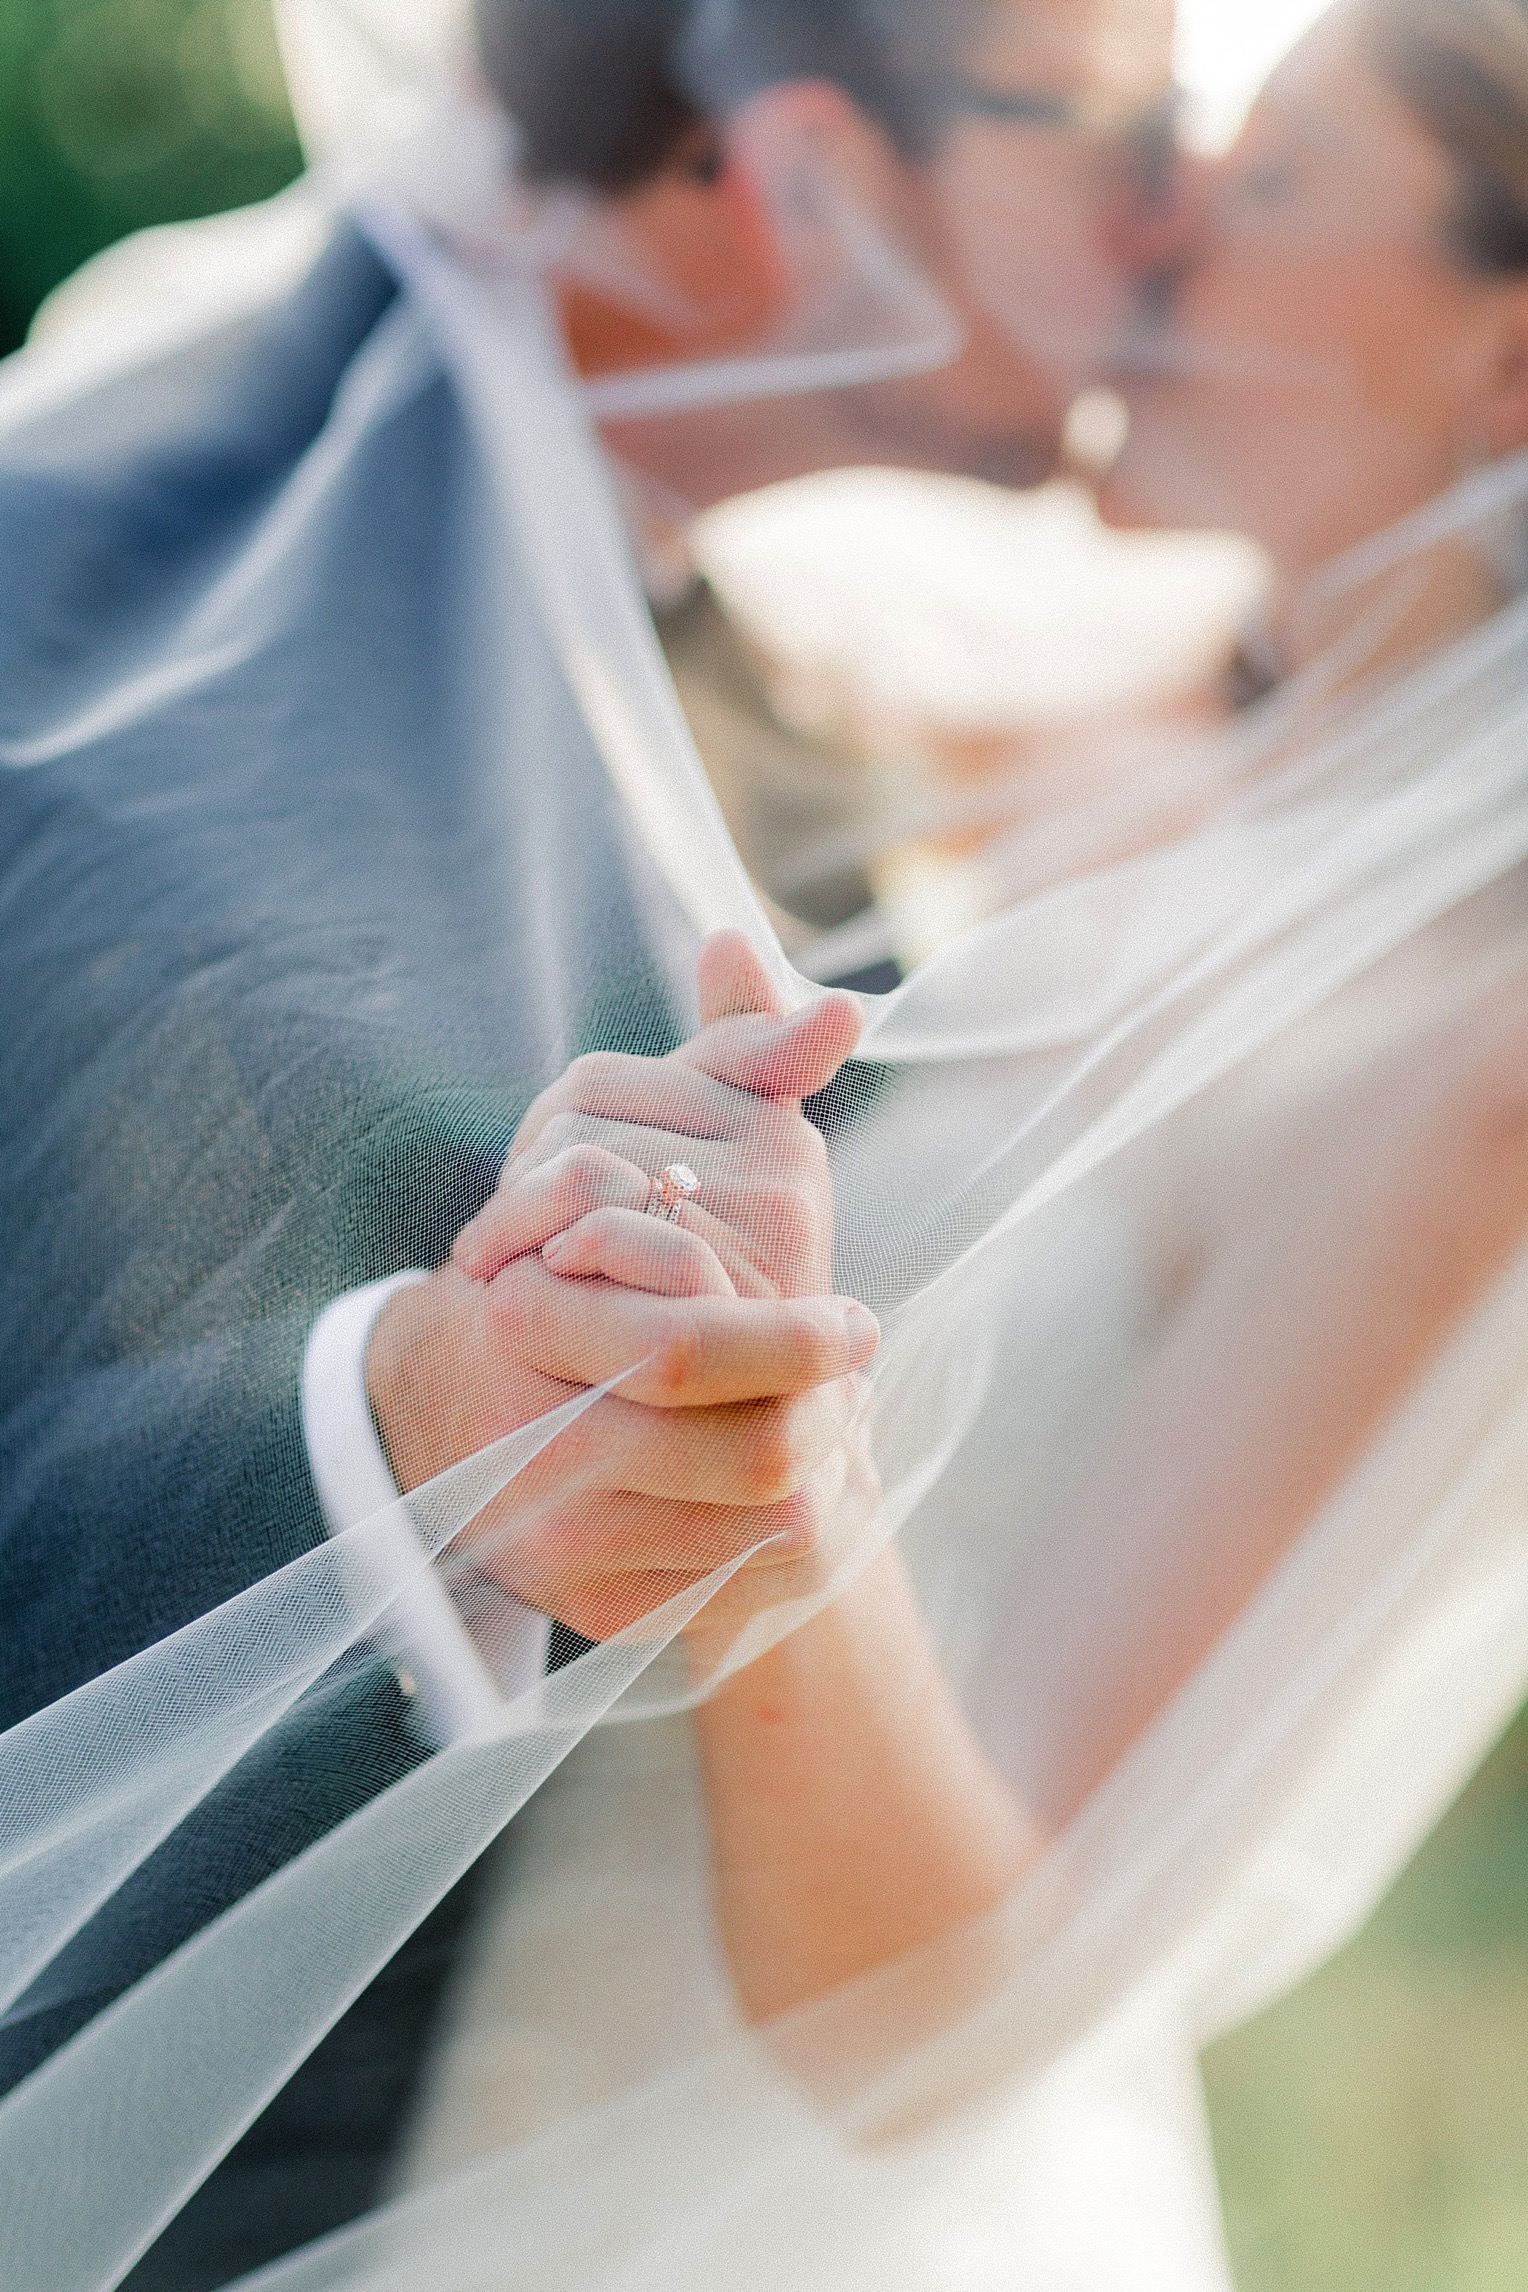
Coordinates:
[607,93]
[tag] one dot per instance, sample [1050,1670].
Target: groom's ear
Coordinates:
[707,257]
[741,237]
[686,266]
[798,142]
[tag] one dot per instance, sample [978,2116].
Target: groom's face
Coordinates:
[1015,216]
[1009,213]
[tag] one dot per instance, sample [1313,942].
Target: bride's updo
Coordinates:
[1462,68]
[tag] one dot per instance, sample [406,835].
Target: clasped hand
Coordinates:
[735,1427]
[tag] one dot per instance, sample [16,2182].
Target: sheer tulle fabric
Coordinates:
[1017,2106]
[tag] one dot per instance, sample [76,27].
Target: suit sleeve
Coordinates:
[137,1495]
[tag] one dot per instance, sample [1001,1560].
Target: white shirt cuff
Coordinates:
[455,1693]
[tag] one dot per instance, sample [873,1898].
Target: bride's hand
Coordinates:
[727,1105]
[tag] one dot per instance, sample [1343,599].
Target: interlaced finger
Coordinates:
[677,1353]
[720,1085]
[640,1252]
[545,1200]
[744,1453]
[667,1094]
[536,1201]
[775,1202]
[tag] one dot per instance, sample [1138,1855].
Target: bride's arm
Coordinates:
[854,1814]
[854,1817]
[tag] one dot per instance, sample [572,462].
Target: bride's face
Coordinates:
[1323,362]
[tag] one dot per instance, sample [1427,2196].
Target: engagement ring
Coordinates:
[671,1187]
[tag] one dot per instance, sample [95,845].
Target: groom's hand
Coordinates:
[730,1430]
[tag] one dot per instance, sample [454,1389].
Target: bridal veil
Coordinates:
[1034,1120]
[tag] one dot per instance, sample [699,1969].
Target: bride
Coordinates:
[873,1942]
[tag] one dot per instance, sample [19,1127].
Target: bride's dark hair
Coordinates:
[603,92]
[1462,68]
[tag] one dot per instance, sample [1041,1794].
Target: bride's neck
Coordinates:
[1341,635]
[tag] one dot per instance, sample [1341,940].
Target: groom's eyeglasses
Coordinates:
[947,99]
[1145,139]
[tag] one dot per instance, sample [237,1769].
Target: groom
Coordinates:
[270,942]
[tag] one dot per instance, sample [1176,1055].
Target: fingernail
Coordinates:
[861,1326]
[554,1248]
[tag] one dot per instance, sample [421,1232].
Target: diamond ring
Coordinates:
[671,1188]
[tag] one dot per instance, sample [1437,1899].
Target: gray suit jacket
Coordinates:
[266,945]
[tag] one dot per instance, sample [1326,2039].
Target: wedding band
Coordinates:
[671,1188]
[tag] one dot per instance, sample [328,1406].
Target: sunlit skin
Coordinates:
[1326,364]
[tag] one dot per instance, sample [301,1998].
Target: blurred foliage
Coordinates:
[118,113]
[1372,2130]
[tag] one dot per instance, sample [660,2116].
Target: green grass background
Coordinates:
[1372,2131]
